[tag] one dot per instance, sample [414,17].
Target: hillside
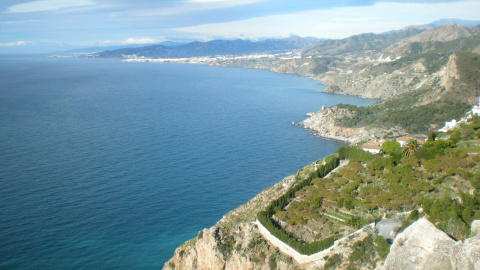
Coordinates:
[358,43]
[427,108]
[437,183]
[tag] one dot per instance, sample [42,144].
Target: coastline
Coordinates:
[321,122]
[202,251]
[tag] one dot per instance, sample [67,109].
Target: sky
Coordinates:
[40,26]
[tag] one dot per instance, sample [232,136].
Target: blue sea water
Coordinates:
[111,165]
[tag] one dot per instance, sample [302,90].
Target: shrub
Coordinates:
[352,152]
[316,202]
[381,246]
[272,262]
[379,163]
[333,262]
[362,250]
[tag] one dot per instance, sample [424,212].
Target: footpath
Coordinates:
[302,258]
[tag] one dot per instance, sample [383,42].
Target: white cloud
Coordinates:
[11,44]
[139,40]
[47,5]
[130,41]
[341,22]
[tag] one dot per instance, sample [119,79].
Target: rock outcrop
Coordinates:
[450,72]
[211,250]
[322,122]
[423,246]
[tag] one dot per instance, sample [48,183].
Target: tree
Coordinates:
[411,147]
[316,202]
[348,204]
[391,147]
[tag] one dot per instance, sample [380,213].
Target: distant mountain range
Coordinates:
[315,46]
[214,47]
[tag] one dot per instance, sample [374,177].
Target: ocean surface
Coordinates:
[112,165]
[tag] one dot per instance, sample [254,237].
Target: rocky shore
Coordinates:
[322,122]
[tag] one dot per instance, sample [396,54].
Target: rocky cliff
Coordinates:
[235,242]
[423,246]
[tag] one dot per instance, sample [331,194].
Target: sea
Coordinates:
[112,165]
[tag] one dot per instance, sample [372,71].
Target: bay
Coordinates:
[112,165]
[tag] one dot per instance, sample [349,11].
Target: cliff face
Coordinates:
[210,250]
[423,246]
[235,242]
[450,73]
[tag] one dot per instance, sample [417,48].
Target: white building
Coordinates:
[448,126]
[476,108]
[404,141]
[372,147]
[451,124]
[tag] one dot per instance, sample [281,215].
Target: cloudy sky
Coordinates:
[52,25]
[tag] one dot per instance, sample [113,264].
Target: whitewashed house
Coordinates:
[372,147]
[404,141]
[476,108]
[448,126]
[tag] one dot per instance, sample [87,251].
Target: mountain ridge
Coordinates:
[214,47]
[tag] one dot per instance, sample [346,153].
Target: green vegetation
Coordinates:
[382,247]
[226,246]
[409,110]
[322,64]
[363,253]
[272,262]
[264,217]
[333,262]
[442,177]
[412,119]
[352,152]
[433,55]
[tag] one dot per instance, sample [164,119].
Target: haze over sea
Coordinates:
[111,165]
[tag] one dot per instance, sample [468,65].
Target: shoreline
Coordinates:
[321,125]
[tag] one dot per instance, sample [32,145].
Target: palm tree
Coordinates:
[412,146]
